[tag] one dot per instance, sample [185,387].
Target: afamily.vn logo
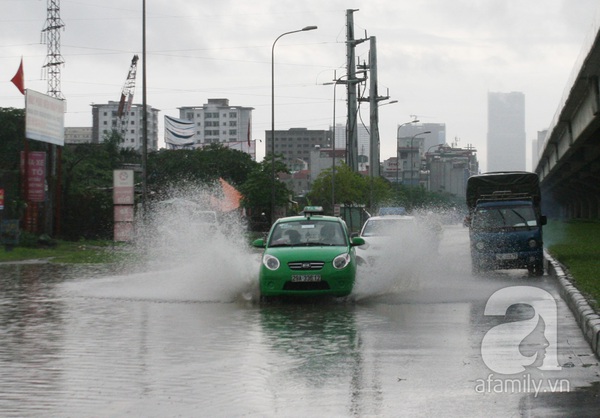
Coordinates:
[511,346]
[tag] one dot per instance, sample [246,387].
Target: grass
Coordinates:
[576,245]
[92,252]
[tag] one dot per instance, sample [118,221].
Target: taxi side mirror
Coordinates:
[259,243]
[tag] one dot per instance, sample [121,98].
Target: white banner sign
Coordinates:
[44,118]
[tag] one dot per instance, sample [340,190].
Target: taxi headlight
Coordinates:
[532,243]
[341,261]
[270,262]
[480,245]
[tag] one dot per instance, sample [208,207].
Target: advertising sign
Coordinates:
[1,199]
[36,175]
[44,118]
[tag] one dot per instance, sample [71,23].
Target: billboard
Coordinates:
[44,118]
[36,175]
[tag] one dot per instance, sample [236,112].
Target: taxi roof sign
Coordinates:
[311,210]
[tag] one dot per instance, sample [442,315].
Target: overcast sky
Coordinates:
[438,58]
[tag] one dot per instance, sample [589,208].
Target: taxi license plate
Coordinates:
[306,278]
[508,256]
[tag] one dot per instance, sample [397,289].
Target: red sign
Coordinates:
[123,191]
[36,175]
[1,199]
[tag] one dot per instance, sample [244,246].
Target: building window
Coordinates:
[232,114]
[233,132]
[232,123]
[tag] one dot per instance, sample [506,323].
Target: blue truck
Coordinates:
[505,221]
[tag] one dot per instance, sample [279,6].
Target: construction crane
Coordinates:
[127,97]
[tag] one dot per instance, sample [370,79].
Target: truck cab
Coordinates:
[505,222]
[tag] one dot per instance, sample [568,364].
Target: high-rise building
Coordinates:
[105,120]
[413,143]
[506,141]
[218,122]
[78,135]
[295,145]
[364,139]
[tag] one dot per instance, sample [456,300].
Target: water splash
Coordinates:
[185,250]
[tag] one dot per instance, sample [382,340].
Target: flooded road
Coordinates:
[189,339]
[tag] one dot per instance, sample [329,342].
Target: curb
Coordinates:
[587,318]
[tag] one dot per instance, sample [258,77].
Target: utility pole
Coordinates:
[374,99]
[351,131]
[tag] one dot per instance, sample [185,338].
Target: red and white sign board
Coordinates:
[123,231]
[123,213]
[1,199]
[123,187]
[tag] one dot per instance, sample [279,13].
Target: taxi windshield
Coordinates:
[306,233]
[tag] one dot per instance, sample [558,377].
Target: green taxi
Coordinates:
[308,255]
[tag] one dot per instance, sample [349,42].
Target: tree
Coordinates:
[87,205]
[351,188]
[169,168]
[257,189]
[12,133]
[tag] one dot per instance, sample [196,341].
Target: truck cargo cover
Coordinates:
[510,181]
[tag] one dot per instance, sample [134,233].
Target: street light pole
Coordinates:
[306,28]
[411,154]
[398,148]
[335,83]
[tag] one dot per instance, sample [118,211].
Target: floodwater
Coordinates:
[182,334]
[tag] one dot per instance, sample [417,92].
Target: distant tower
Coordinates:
[51,36]
[506,141]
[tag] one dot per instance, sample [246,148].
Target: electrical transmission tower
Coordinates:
[51,70]
[51,37]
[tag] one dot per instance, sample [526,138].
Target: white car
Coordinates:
[384,236]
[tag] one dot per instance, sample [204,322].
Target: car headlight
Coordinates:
[341,261]
[480,245]
[270,262]
[532,243]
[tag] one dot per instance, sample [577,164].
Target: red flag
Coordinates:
[18,79]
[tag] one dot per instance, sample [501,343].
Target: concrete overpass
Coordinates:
[569,158]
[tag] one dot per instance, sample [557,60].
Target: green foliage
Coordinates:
[576,245]
[87,207]
[350,188]
[202,166]
[257,189]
